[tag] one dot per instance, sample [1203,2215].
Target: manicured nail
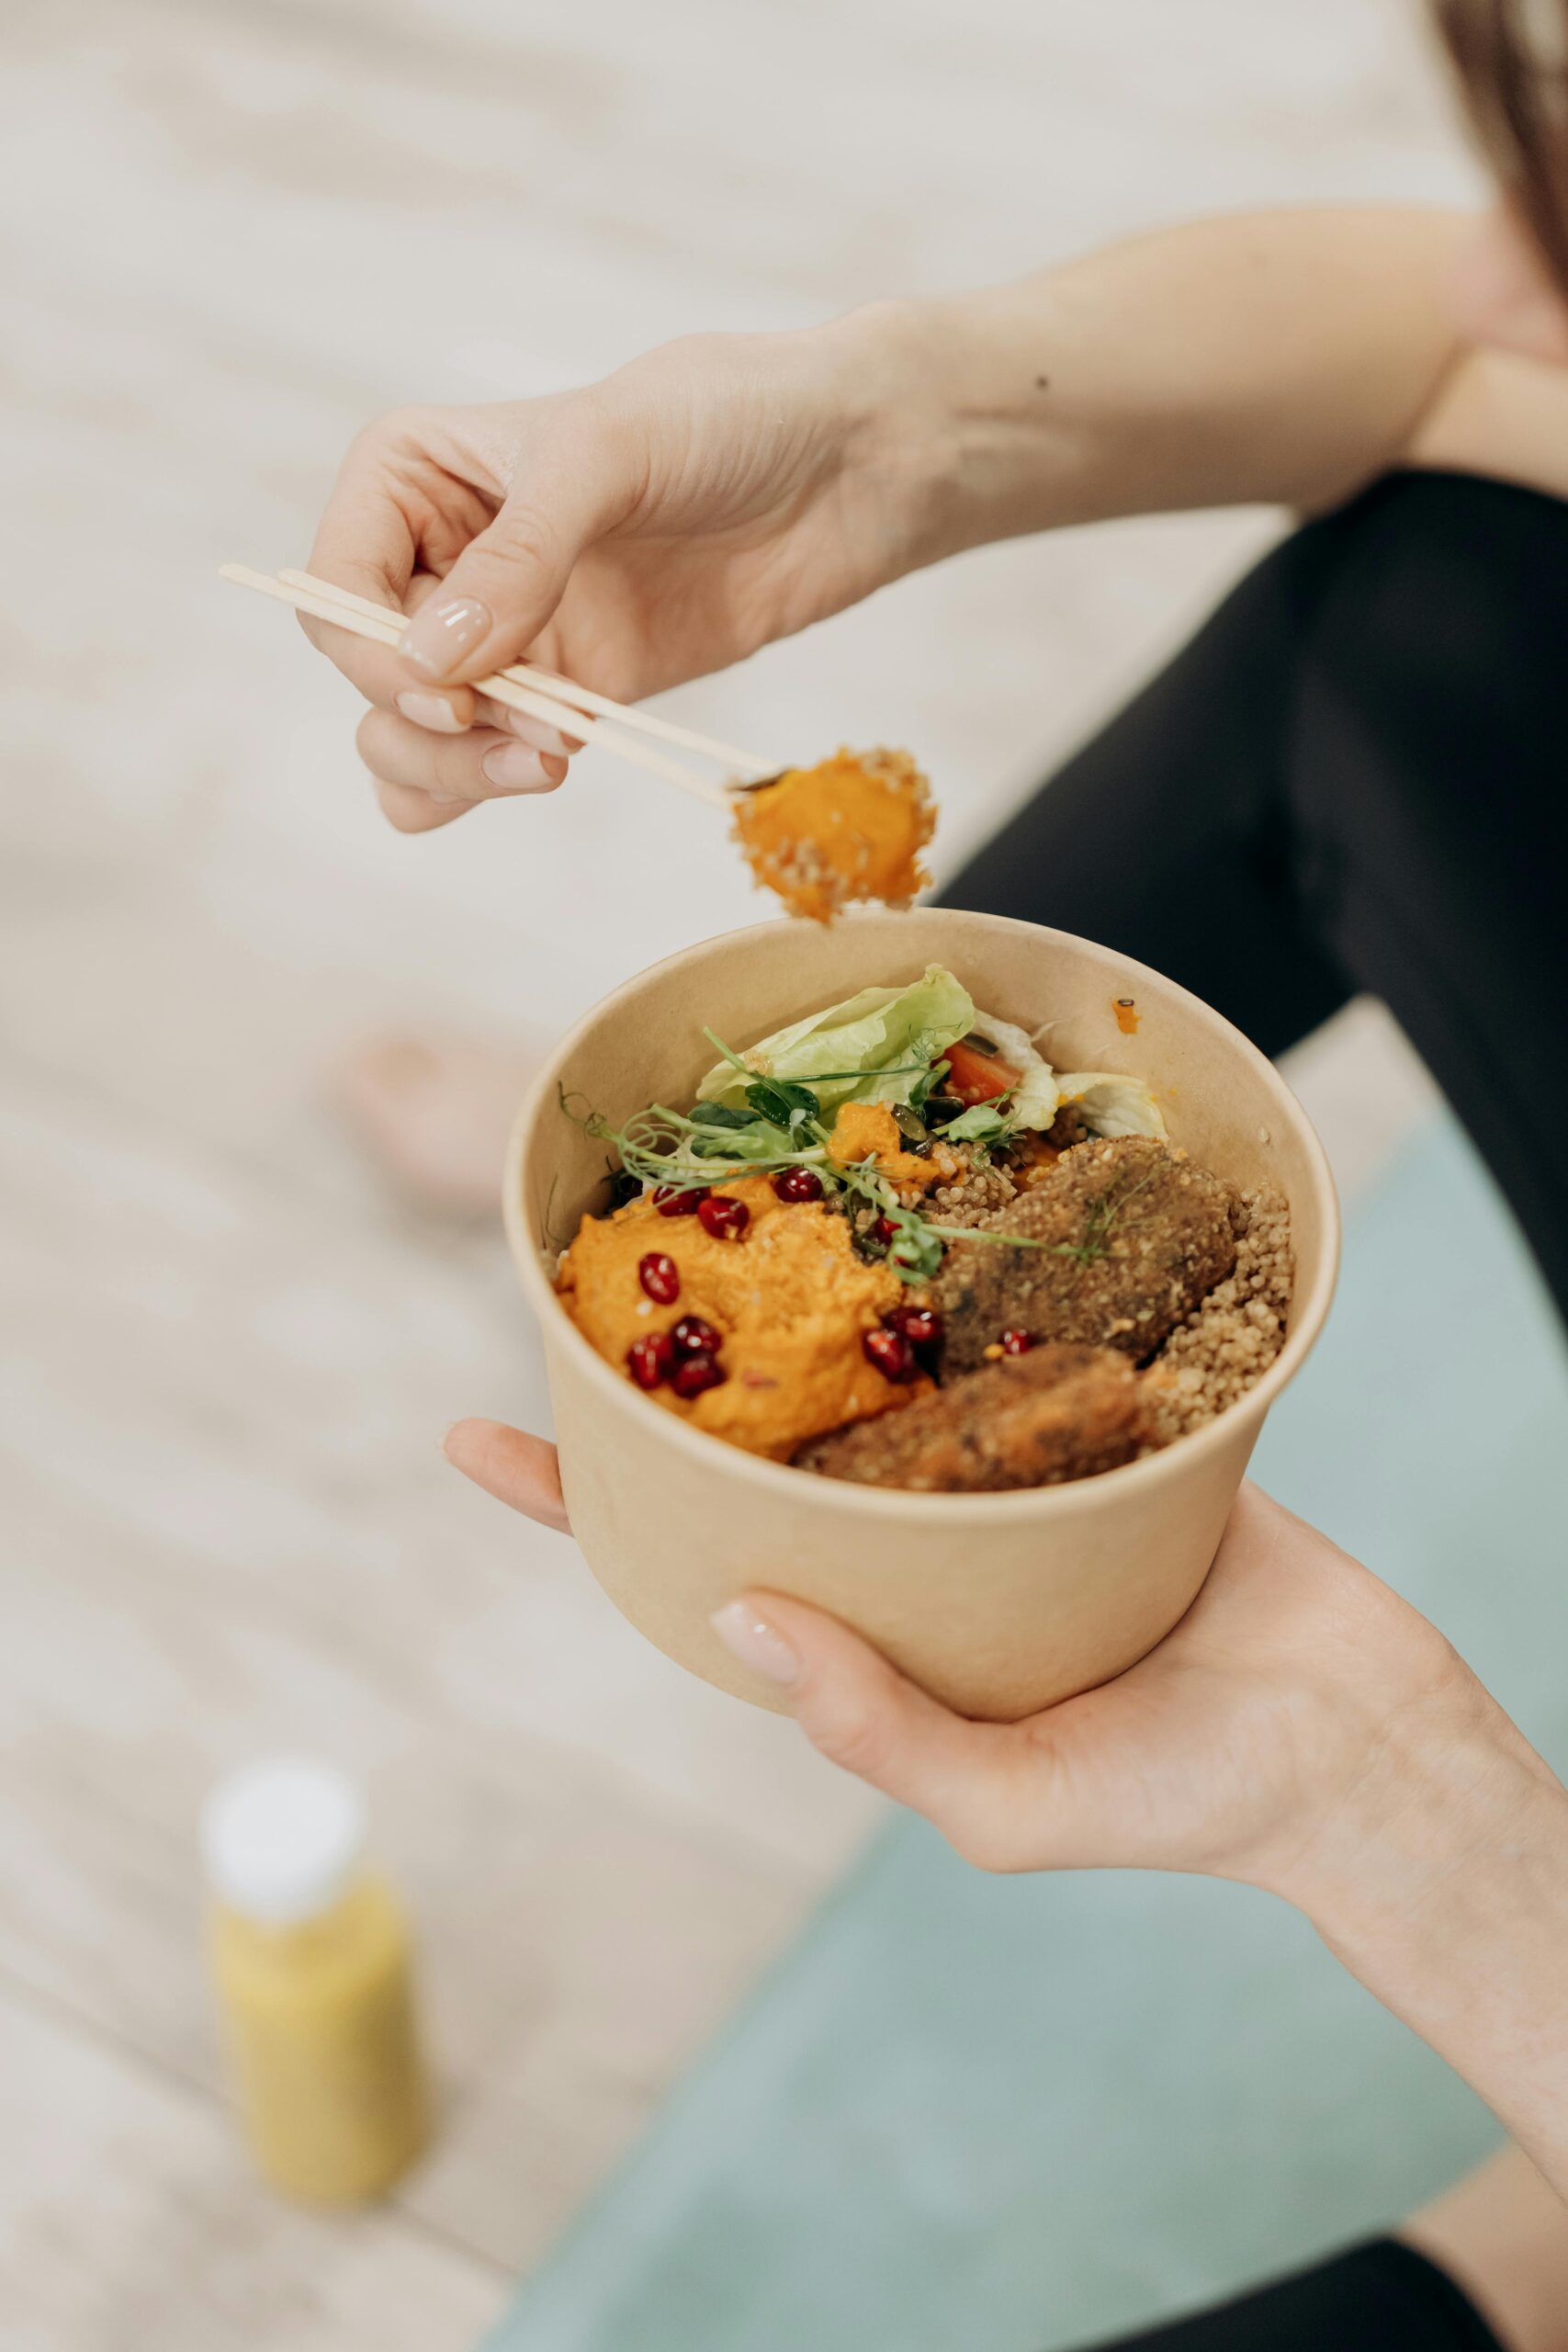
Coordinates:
[443,631]
[753,1641]
[429,710]
[512,767]
[535,731]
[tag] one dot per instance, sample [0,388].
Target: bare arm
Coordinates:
[727,489]
[1456,1918]
[1278,358]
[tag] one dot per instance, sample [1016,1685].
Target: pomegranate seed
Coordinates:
[723,1217]
[691,1336]
[694,1374]
[884,1231]
[798,1184]
[1016,1342]
[650,1359]
[670,1200]
[660,1277]
[891,1352]
[921,1326]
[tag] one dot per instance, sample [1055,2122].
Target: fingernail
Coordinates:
[750,1639]
[512,767]
[535,731]
[429,710]
[442,632]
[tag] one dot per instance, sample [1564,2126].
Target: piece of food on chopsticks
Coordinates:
[852,828]
[866,1214]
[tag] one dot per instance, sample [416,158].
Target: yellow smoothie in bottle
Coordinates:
[312,1962]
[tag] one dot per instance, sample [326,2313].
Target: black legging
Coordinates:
[1378,2298]
[1354,777]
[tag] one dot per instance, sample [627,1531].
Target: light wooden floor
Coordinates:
[231,234]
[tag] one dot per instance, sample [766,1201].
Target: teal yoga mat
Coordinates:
[976,2115]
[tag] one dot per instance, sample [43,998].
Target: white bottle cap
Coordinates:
[281,1840]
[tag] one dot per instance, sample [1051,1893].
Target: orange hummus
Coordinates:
[790,1300]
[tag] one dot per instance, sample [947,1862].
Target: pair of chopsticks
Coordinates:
[572,709]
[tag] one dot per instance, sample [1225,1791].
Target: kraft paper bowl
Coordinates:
[1000,1604]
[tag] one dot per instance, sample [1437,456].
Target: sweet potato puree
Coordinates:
[852,828]
[790,1300]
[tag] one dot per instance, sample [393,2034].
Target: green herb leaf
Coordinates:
[983,1123]
[725,1114]
[783,1102]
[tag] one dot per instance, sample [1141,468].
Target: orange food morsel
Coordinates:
[869,1131]
[852,828]
[790,1301]
[1126,1013]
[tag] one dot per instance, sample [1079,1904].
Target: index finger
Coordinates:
[513,1466]
[364,540]
[366,543]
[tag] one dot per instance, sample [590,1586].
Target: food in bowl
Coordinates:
[891,1244]
[850,829]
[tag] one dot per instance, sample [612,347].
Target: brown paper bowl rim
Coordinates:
[1075,1495]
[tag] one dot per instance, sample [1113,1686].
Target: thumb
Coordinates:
[573,480]
[968,1778]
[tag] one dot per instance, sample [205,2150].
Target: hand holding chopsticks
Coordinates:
[574,710]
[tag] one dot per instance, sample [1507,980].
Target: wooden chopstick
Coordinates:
[523,673]
[388,630]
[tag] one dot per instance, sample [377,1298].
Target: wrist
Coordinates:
[947,403]
[1457,1921]
[897,429]
[1457,1827]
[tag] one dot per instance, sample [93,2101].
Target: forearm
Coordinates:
[1277,359]
[1455,1915]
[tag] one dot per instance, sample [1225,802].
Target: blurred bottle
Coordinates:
[312,1956]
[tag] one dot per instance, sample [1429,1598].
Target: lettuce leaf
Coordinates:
[874,1047]
[1034,1101]
[1111,1105]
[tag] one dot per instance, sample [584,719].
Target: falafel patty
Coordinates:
[1030,1421]
[1136,1235]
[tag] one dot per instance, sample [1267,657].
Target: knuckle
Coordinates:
[397,806]
[455,769]
[521,539]
[394,428]
[857,1742]
[368,736]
